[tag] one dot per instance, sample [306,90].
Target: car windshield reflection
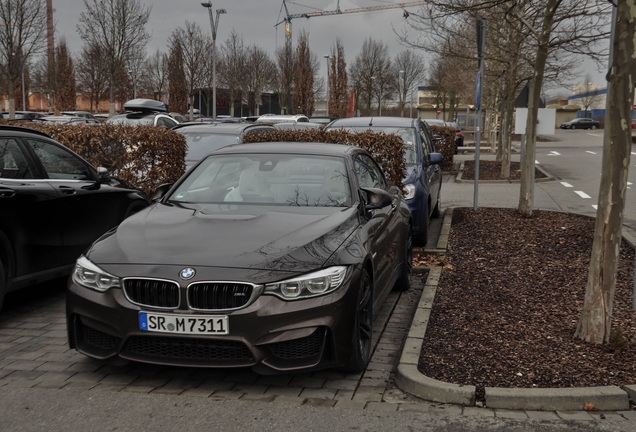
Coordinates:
[272,179]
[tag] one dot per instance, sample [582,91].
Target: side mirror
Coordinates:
[160,192]
[376,198]
[103,175]
[435,158]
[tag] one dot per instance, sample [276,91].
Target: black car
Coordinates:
[274,256]
[53,206]
[204,138]
[144,112]
[423,180]
[581,123]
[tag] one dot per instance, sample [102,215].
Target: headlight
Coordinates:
[309,285]
[410,191]
[90,276]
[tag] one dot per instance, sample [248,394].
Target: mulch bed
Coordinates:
[508,303]
[491,170]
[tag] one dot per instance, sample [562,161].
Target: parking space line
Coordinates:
[590,152]
[582,194]
[566,184]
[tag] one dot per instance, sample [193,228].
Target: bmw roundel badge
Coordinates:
[187,273]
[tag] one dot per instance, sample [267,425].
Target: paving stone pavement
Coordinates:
[34,354]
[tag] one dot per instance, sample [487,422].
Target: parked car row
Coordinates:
[271,256]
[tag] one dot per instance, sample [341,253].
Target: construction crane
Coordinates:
[288,17]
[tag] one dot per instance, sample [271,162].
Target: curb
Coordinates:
[548,176]
[410,380]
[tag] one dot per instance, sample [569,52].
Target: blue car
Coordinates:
[423,180]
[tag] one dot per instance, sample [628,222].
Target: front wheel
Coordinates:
[362,332]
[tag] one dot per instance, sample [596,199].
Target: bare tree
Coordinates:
[118,28]
[410,69]
[370,73]
[285,63]
[92,74]
[232,67]
[177,89]
[596,317]
[260,71]
[155,77]
[66,94]
[22,29]
[195,59]
[338,82]
[304,76]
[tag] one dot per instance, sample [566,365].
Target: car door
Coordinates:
[381,226]
[433,171]
[30,232]
[88,208]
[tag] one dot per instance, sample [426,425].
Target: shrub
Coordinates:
[386,149]
[446,146]
[146,156]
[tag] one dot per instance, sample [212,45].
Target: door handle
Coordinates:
[67,190]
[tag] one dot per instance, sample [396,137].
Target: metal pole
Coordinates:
[327,106]
[214,25]
[23,95]
[481,36]
[400,74]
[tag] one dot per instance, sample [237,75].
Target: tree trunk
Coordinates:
[596,318]
[526,192]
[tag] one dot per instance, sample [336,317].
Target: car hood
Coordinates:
[254,237]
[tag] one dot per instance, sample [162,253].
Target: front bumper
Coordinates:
[270,335]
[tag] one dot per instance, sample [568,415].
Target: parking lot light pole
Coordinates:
[214,24]
[327,107]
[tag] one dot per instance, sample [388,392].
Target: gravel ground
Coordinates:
[509,300]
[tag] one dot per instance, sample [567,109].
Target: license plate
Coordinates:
[180,324]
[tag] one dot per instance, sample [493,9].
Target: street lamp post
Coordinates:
[214,24]
[327,106]
[402,98]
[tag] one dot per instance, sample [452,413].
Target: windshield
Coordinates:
[274,179]
[407,134]
[201,144]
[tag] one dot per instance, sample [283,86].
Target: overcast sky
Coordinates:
[256,20]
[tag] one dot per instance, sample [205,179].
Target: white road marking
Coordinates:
[595,207]
[582,194]
[554,153]
[566,184]
[590,152]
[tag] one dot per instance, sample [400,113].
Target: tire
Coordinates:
[3,284]
[404,280]
[422,237]
[593,127]
[362,332]
[437,210]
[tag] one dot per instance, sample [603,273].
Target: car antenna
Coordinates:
[371,121]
